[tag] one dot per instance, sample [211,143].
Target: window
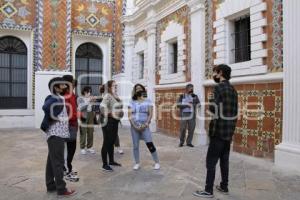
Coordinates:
[88,63]
[13,73]
[173,55]
[242,40]
[141,65]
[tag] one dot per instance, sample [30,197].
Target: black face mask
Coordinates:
[64,91]
[139,93]
[217,80]
[191,91]
[145,94]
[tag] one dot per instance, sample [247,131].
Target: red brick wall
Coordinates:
[165,101]
[254,135]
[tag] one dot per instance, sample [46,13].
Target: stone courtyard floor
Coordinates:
[23,156]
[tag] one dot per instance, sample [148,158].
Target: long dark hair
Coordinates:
[134,96]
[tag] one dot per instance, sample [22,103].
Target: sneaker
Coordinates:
[107,168]
[190,145]
[180,145]
[156,166]
[220,189]
[74,173]
[136,167]
[203,194]
[115,164]
[90,150]
[71,178]
[68,193]
[83,151]
[120,151]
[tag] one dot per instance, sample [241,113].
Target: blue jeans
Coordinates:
[147,137]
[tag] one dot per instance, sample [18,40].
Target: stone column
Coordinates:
[151,65]
[125,79]
[197,12]
[287,154]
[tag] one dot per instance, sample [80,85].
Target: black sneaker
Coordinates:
[115,164]
[220,189]
[180,145]
[107,168]
[203,194]
[190,145]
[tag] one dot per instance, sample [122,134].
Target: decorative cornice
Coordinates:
[196,5]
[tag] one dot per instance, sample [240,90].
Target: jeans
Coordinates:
[70,149]
[146,136]
[218,149]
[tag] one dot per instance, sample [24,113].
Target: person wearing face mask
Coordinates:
[56,126]
[224,107]
[140,113]
[112,109]
[85,104]
[188,104]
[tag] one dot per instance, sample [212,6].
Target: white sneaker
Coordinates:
[136,167]
[120,151]
[90,150]
[156,166]
[83,151]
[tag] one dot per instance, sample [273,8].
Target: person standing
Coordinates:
[188,104]
[71,102]
[224,106]
[85,105]
[140,112]
[112,109]
[56,126]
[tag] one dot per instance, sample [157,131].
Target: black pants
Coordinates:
[110,133]
[55,165]
[117,142]
[71,147]
[218,149]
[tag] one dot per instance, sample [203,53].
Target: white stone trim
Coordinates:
[230,10]
[140,47]
[266,78]
[103,43]
[173,32]
[287,154]
[27,38]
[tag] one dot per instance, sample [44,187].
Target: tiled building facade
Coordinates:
[166,44]
[52,32]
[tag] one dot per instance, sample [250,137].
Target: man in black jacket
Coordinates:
[224,107]
[188,103]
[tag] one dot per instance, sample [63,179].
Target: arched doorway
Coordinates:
[88,64]
[13,73]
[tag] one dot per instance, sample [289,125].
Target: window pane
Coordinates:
[19,90]
[4,60]
[19,75]
[4,75]
[18,61]
[242,40]
[4,92]
[95,65]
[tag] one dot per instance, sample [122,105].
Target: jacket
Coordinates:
[52,107]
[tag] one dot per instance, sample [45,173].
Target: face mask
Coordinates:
[139,93]
[145,94]
[191,91]
[217,80]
